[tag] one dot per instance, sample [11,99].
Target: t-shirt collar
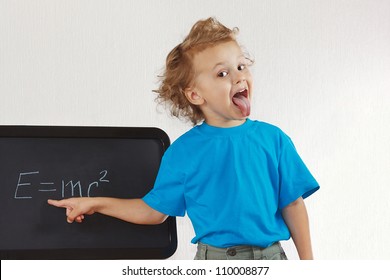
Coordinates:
[207,129]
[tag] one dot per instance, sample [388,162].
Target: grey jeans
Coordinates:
[273,252]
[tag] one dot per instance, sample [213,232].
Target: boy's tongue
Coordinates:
[243,104]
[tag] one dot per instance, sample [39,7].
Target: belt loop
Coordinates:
[204,251]
[206,248]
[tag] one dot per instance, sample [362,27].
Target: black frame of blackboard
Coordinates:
[85,132]
[22,131]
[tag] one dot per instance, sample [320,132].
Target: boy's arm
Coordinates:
[130,210]
[296,218]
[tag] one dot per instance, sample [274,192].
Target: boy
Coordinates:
[240,181]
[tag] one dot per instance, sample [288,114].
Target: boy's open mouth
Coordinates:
[241,100]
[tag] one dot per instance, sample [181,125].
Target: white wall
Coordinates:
[322,74]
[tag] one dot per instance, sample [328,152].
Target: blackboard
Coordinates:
[42,162]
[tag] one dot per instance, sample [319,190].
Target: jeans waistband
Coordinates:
[238,247]
[275,251]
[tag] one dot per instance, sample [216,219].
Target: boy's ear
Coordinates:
[193,97]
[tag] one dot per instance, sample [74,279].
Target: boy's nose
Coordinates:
[239,77]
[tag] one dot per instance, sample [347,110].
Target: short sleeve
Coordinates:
[295,179]
[167,195]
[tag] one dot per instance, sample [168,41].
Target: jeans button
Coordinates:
[231,252]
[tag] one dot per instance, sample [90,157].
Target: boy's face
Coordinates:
[223,85]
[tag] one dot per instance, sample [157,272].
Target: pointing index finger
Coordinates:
[58,203]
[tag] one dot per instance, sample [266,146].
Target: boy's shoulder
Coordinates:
[270,133]
[188,136]
[266,126]
[266,129]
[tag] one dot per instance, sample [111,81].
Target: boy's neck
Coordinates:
[225,123]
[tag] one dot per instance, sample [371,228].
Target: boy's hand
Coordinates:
[75,208]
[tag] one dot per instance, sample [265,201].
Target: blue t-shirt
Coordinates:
[232,182]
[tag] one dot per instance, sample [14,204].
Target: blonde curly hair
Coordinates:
[179,72]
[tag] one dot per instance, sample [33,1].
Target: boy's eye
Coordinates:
[241,67]
[222,74]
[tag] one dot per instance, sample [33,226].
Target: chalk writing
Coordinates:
[25,186]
